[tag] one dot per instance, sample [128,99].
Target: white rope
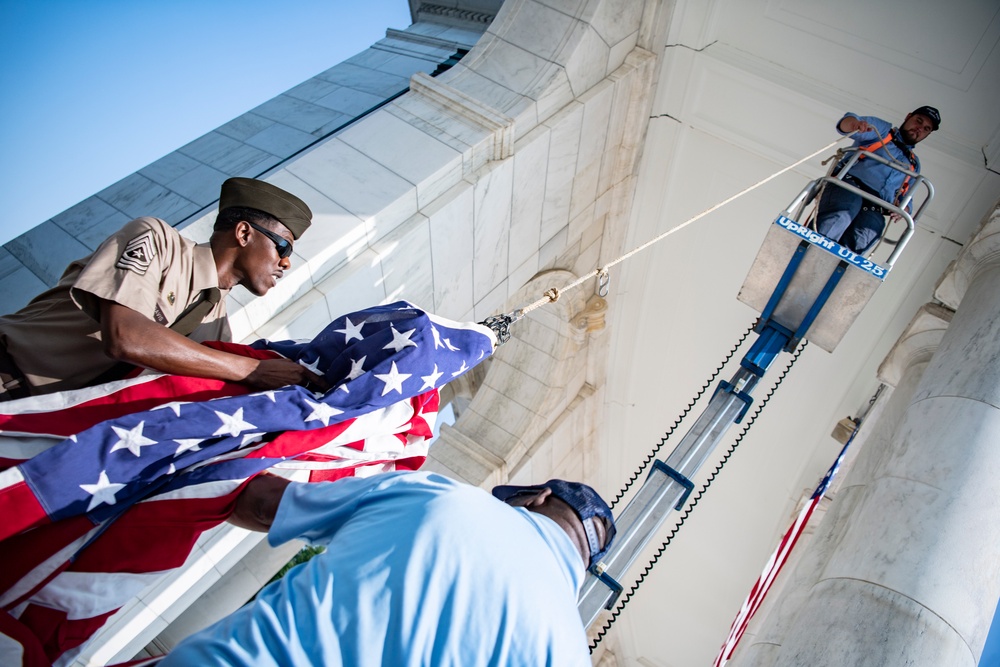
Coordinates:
[554,293]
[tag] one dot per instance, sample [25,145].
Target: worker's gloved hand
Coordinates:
[277,373]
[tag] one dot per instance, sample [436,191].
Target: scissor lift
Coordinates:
[805,286]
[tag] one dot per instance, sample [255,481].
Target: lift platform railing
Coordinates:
[835,178]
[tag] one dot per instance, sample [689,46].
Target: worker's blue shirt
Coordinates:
[419,570]
[880,178]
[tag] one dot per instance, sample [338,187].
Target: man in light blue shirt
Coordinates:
[848,218]
[418,570]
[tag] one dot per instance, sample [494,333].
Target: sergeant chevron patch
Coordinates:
[138,254]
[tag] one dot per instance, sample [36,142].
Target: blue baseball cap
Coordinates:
[587,504]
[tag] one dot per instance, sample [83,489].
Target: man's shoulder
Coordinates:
[150,231]
[149,223]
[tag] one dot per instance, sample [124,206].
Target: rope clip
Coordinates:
[603,280]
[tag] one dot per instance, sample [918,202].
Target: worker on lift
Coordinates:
[419,570]
[847,218]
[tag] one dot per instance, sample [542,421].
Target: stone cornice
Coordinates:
[981,253]
[457,104]
[423,40]
[430,11]
[917,343]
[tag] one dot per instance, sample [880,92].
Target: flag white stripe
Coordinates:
[41,571]
[87,594]
[67,399]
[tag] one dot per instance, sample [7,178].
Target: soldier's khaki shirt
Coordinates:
[147,266]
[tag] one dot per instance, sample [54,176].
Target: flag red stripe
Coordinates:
[20,510]
[55,632]
[33,653]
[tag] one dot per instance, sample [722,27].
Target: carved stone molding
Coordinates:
[468,459]
[434,13]
[457,104]
[917,343]
[417,38]
[980,254]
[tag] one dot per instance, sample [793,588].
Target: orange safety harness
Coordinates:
[871,148]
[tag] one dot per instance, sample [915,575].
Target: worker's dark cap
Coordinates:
[931,113]
[583,499]
[288,209]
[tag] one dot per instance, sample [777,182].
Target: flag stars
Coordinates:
[251,438]
[322,412]
[357,368]
[187,445]
[103,492]
[232,425]
[460,370]
[400,340]
[430,381]
[351,330]
[175,407]
[440,342]
[131,439]
[393,380]
[314,366]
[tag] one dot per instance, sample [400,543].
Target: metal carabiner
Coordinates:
[603,280]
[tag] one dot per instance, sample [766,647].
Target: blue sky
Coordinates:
[94,90]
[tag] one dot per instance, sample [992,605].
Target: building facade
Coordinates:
[506,148]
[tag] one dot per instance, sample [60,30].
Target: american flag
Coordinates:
[777,560]
[107,488]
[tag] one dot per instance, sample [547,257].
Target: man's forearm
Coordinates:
[130,337]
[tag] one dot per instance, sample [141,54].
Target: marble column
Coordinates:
[901,372]
[915,577]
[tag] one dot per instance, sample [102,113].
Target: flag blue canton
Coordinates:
[371,358]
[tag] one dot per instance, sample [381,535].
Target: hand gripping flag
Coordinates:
[109,487]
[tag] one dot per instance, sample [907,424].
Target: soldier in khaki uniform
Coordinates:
[147,296]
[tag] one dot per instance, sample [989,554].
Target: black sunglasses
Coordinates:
[283,247]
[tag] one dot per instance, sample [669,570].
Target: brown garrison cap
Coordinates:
[291,211]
